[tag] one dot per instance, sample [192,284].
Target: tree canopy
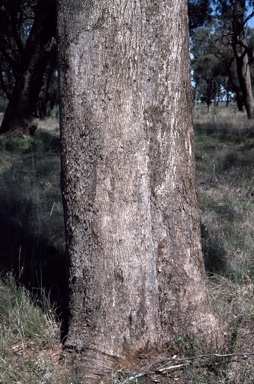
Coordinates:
[222,54]
[199,12]
[221,27]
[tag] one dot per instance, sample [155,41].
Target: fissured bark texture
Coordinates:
[137,280]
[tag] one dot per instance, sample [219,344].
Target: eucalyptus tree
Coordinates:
[137,279]
[211,63]
[18,61]
[234,16]
[16,18]
[33,48]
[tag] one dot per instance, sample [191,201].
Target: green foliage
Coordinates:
[212,64]
[187,344]
[213,51]
[199,12]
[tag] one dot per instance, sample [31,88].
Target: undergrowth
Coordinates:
[32,244]
[29,335]
[31,216]
[32,261]
[225,184]
[224,141]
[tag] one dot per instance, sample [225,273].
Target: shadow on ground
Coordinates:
[31,221]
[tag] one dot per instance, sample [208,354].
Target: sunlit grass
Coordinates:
[32,229]
[225,183]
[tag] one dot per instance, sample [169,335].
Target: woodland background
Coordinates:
[32,248]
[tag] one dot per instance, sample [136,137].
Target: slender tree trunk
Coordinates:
[210,93]
[239,101]
[45,100]
[137,279]
[22,105]
[243,71]
[234,86]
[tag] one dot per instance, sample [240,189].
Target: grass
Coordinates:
[32,247]
[224,141]
[32,311]
[225,185]
[31,216]
[30,347]
[29,338]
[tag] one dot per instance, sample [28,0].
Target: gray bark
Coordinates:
[137,280]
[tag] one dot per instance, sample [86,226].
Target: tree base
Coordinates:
[90,365]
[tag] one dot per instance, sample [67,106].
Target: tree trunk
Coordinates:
[137,279]
[243,71]
[46,101]
[241,51]
[22,105]
[239,101]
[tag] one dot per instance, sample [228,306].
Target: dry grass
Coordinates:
[29,351]
[225,181]
[31,247]
[29,338]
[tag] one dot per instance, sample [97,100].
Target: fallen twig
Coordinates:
[149,369]
[160,370]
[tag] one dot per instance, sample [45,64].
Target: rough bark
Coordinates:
[20,112]
[137,279]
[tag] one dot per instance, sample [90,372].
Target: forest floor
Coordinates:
[224,146]
[31,218]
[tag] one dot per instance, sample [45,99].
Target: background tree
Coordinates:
[31,67]
[213,61]
[234,15]
[208,66]
[48,93]
[16,22]
[137,280]
[16,18]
